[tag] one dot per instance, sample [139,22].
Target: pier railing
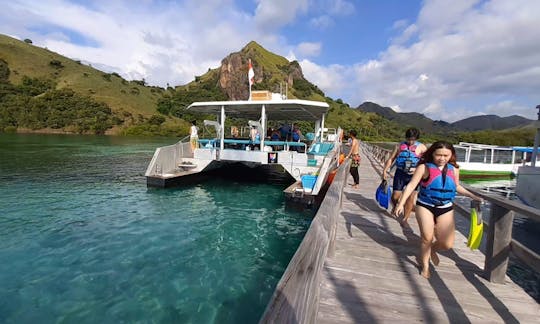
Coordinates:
[380,154]
[296,297]
[499,242]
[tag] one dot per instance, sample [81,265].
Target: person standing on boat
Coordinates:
[296,137]
[193,135]
[285,132]
[255,137]
[354,155]
[234,131]
[438,176]
[406,156]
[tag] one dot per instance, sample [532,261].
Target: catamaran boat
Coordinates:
[483,160]
[305,164]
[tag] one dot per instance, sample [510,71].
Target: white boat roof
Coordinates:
[287,109]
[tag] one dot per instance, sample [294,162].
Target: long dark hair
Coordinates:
[427,157]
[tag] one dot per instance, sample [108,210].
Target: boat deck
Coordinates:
[374,278]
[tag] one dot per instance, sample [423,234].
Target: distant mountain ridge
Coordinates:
[475,123]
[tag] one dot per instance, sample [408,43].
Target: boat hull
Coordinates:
[239,171]
[476,170]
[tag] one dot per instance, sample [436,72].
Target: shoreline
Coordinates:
[21,130]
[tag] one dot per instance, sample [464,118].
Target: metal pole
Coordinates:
[263,126]
[322,127]
[222,127]
[536,139]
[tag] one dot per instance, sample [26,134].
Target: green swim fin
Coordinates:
[477,227]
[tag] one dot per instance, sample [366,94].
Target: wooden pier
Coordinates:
[366,271]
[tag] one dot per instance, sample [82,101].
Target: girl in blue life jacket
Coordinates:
[438,176]
[406,156]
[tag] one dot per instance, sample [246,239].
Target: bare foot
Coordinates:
[355,186]
[425,273]
[434,258]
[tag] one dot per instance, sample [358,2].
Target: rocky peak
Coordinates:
[270,69]
[233,77]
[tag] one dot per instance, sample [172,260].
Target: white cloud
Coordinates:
[468,50]
[322,22]
[335,80]
[341,7]
[408,33]
[400,24]
[309,49]
[271,15]
[508,108]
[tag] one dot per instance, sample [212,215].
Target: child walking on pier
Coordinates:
[438,176]
[406,156]
[354,154]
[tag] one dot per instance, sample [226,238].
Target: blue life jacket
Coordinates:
[439,189]
[407,153]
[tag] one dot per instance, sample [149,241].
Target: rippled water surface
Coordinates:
[83,239]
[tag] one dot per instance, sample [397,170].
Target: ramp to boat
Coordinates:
[373,276]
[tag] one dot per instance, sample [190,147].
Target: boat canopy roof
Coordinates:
[522,149]
[288,109]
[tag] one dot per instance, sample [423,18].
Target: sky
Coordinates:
[447,59]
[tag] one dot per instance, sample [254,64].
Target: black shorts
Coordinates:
[436,211]
[401,179]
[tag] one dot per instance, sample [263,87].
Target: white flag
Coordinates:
[251,74]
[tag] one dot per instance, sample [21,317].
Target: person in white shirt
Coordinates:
[254,136]
[193,135]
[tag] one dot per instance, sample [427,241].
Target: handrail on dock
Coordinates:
[499,242]
[296,297]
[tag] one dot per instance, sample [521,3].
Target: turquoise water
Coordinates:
[83,240]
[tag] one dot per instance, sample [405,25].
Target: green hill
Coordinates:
[121,95]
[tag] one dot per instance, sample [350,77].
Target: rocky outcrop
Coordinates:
[233,79]
[295,73]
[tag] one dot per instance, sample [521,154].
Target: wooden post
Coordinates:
[498,243]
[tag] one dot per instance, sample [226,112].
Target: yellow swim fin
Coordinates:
[477,227]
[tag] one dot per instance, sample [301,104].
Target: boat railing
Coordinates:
[499,242]
[244,143]
[166,158]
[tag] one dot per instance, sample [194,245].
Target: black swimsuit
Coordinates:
[436,211]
